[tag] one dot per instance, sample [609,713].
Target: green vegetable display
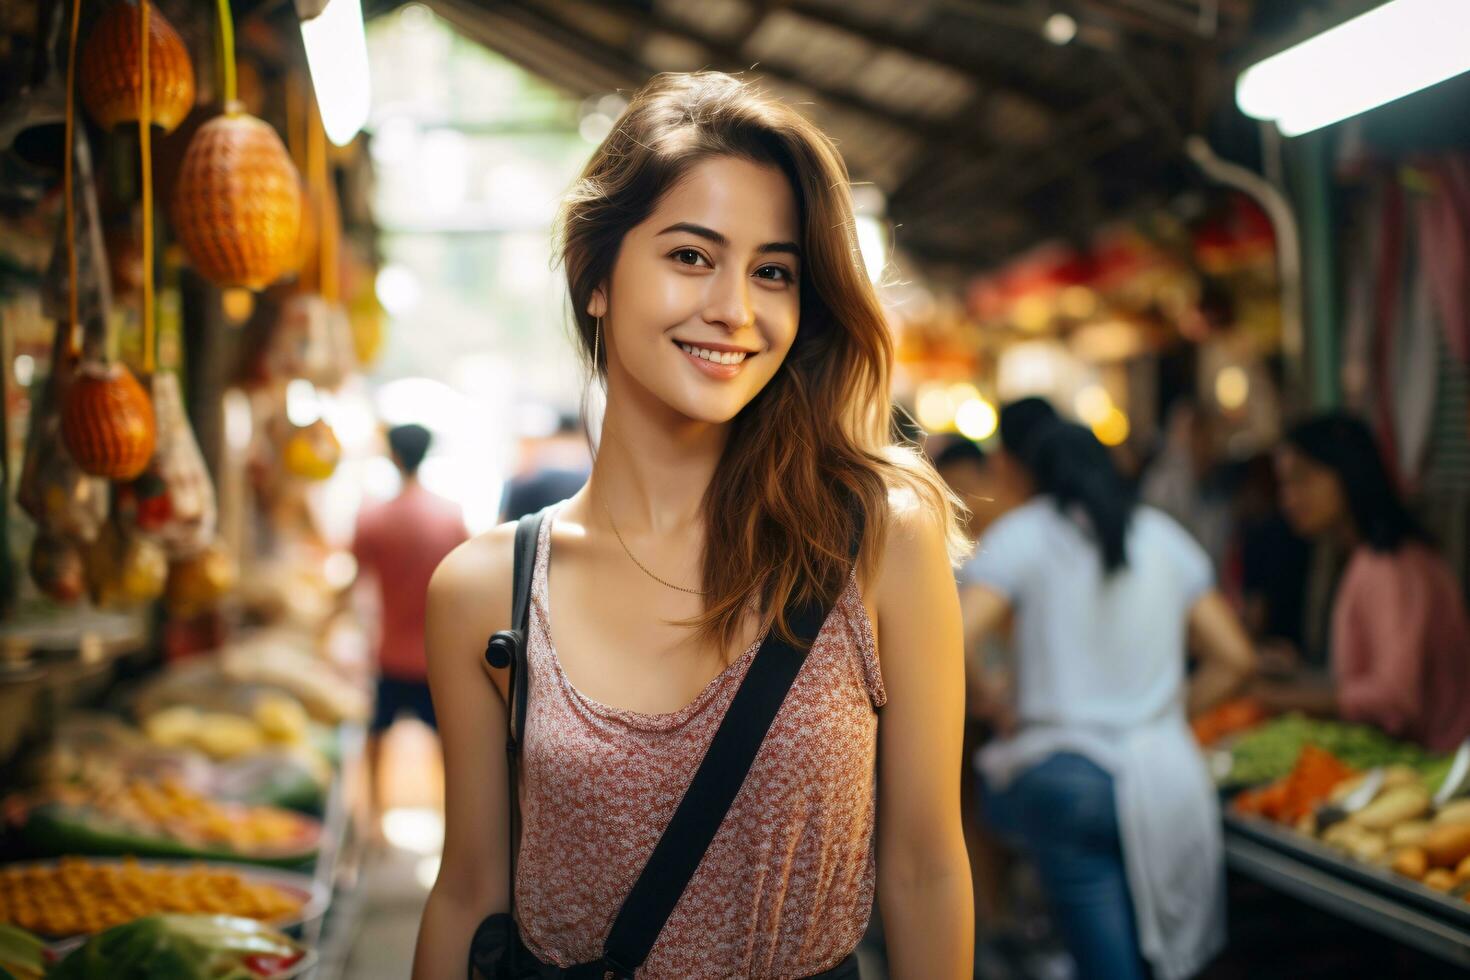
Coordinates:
[1269,751]
[182,947]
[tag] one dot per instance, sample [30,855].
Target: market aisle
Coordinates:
[396,879]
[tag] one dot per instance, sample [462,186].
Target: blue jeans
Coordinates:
[1063,816]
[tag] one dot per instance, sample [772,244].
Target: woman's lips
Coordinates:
[721,372]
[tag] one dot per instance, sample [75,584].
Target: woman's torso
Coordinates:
[1096,649]
[1401,645]
[786,887]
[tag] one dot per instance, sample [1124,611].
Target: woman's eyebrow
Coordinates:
[710,235]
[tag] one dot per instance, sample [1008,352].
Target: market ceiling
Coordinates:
[985,135]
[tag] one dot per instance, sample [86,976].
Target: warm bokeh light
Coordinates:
[1093,404]
[1232,387]
[976,419]
[1112,429]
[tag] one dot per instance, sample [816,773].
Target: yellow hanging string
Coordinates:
[227,50]
[320,178]
[66,183]
[145,142]
[294,127]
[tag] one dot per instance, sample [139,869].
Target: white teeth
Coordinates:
[714,356]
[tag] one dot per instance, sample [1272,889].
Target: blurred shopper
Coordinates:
[741,460]
[1100,778]
[553,468]
[1400,636]
[1269,564]
[1186,481]
[398,544]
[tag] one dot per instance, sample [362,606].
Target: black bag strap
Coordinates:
[718,779]
[507,648]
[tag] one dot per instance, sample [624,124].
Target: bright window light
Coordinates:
[336,51]
[1383,55]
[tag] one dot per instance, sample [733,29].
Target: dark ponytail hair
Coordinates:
[1068,464]
[1343,443]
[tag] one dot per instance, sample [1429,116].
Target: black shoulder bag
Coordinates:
[496,951]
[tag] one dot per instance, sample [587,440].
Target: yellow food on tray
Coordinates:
[80,896]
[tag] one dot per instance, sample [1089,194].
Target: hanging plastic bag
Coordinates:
[173,502]
[64,501]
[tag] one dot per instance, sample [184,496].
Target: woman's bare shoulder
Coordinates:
[913,547]
[470,590]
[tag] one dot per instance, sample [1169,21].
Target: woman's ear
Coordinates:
[597,303]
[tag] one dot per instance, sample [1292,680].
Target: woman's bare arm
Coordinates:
[469,599]
[924,887]
[1227,660]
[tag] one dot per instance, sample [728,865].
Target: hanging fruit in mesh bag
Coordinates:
[57,569]
[237,203]
[110,70]
[196,583]
[107,421]
[173,500]
[313,451]
[64,500]
[124,569]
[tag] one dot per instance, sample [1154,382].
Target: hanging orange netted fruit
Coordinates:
[110,70]
[237,202]
[107,422]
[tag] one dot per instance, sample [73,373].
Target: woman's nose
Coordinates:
[728,304]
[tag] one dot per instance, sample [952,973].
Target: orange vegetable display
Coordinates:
[1316,774]
[1234,716]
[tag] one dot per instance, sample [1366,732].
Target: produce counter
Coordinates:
[1366,894]
[1346,819]
[339,862]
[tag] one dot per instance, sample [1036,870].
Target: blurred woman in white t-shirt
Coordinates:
[1100,777]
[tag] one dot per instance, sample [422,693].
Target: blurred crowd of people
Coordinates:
[1102,611]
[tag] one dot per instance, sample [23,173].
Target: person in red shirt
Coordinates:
[398,544]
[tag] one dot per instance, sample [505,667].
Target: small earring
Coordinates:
[596,344]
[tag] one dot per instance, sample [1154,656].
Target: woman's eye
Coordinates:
[775,273]
[689,256]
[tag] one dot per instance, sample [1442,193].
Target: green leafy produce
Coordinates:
[182,947]
[1271,750]
[22,955]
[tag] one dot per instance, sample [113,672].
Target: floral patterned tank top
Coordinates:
[786,887]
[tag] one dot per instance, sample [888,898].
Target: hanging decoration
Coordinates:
[57,569]
[313,451]
[237,202]
[173,500]
[65,501]
[107,422]
[111,70]
[124,569]
[197,583]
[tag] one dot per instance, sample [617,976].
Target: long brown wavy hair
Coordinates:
[813,453]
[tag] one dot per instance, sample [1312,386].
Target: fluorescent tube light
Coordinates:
[336,51]
[1383,55]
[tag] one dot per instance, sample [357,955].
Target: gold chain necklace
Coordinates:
[644,568]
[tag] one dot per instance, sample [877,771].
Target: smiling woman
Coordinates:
[746,481]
